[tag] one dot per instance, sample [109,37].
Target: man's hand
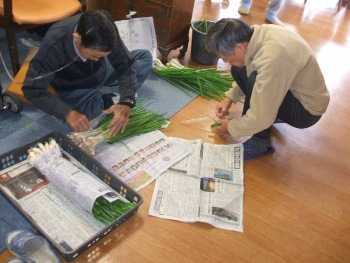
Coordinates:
[77,121]
[120,118]
[223,107]
[221,130]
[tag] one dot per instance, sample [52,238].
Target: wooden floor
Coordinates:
[297,201]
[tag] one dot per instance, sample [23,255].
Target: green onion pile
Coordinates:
[140,121]
[208,83]
[108,212]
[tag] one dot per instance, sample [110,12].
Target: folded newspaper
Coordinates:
[206,186]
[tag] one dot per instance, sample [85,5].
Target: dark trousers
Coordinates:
[91,101]
[291,110]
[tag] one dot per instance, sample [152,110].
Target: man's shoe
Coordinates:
[256,147]
[244,10]
[30,247]
[274,20]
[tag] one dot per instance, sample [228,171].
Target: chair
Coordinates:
[18,14]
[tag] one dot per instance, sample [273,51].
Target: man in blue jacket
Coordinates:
[77,57]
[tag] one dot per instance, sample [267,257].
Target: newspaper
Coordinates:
[138,33]
[62,221]
[213,195]
[139,160]
[78,184]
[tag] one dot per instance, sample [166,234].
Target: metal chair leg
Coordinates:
[12,46]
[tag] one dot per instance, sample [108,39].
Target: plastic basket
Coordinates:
[19,155]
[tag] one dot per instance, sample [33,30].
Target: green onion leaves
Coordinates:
[108,212]
[140,121]
[208,83]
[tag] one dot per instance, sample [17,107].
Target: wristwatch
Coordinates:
[128,102]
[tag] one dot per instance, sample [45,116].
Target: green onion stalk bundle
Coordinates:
[208,83]
[140,121]
[108,212]
[47,157]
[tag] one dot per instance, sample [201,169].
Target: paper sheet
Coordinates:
[138,33]
[214,195]
[141,159]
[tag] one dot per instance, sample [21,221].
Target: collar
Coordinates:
[77,50]
[252,45]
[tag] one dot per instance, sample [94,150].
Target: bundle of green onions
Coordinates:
[108,212]
[140,121]
[208,83]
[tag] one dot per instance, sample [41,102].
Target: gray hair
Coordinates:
[223,37]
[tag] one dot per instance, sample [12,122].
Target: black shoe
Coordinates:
[256,147]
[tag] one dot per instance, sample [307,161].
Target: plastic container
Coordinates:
[19,155]
[199,53]
[30,247]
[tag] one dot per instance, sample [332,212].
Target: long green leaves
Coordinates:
[108,212]
[208,83]
[140,121]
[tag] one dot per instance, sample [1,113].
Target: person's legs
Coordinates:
[272,10]
[143,60]
[86,101]
[143,65]
[259,144]
[93,101]
[244,8]
[293,112]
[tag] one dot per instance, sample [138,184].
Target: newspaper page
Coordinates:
[219,186]
[62,221]
[138,33]
[77,184]
[176,197]
[139,160]
[191,163]
[223,162]
[221,204]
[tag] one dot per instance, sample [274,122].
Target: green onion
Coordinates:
[140,121]
[215,124]
[108,212]
[208,83]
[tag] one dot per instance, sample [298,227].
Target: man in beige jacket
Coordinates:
[277,74]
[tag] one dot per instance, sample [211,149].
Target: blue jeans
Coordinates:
[90,101]
[272,7]
[291,112]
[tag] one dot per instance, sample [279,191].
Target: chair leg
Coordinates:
[12,45]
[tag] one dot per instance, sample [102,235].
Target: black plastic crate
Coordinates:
[19,155]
